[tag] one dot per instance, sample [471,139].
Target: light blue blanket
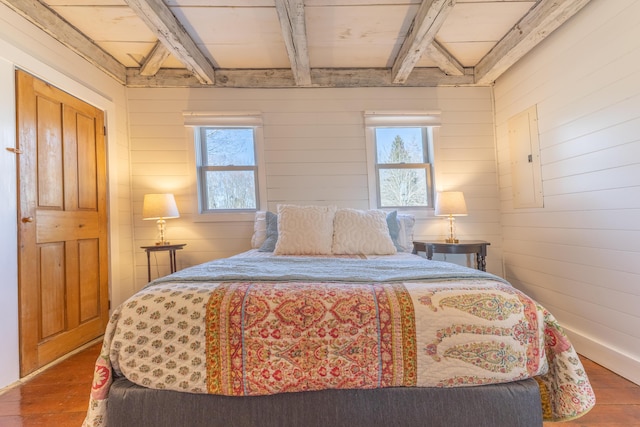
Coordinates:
[312,269]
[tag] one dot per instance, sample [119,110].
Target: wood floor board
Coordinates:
[59,397]
[618,396]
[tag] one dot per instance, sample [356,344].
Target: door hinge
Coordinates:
[104,130]
[14,150]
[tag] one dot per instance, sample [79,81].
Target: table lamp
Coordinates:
[451,203]
[160,207]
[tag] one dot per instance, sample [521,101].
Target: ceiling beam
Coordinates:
[426,24]
[154,60]
[283,78]
[51,23]
[542,20]
[292,22]
[174,37]
[444,60]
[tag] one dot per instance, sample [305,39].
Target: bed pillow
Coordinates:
[304,230]
[394,229]
[405,236]
[269,243]
[259,230]
[361,232]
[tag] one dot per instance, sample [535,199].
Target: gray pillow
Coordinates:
[272,233]
[394,229]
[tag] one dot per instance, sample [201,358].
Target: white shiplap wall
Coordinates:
[315,153]
[580,254]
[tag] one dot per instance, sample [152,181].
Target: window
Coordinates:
[228,163]
[402,168]
[400,161]
[227,170]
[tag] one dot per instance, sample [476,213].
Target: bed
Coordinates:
[330,320]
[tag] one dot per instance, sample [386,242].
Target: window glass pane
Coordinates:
[226,147]
[231,190]
[399,145]
[403,187]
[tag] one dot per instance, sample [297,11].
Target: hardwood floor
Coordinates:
[617,400]
[58,397]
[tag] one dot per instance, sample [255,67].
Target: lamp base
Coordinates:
[451,238]
[162,229]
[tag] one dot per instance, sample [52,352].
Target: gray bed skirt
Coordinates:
[515,404]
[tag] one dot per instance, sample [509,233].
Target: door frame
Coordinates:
[113,242]
[55,318]
[49,60]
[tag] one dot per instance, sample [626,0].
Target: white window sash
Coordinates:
[196,119]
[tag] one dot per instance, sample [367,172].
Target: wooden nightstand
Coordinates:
[157,248]
[478,247]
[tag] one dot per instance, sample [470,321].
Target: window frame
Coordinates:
[429,121]
[202,169]
[196,122]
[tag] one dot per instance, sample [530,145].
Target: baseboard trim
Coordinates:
[622,364]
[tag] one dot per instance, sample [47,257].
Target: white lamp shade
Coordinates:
[159,206]
[451,203]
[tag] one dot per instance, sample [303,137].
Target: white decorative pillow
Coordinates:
[361,232]
[259,230]
[405,237]
[304,230]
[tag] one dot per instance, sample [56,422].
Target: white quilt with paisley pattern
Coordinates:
[259,325]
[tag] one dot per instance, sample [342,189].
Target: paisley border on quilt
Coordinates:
[368,329]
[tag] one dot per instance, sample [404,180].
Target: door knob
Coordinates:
[27,219]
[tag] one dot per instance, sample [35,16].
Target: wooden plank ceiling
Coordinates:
[299,43]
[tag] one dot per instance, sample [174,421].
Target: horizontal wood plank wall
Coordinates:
[315,154]
[580,254]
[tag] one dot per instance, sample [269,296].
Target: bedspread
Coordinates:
[243,332]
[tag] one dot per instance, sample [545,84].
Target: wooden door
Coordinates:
[63,283]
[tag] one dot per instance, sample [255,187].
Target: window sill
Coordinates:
[225,217]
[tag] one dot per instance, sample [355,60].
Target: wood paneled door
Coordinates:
[62,212]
